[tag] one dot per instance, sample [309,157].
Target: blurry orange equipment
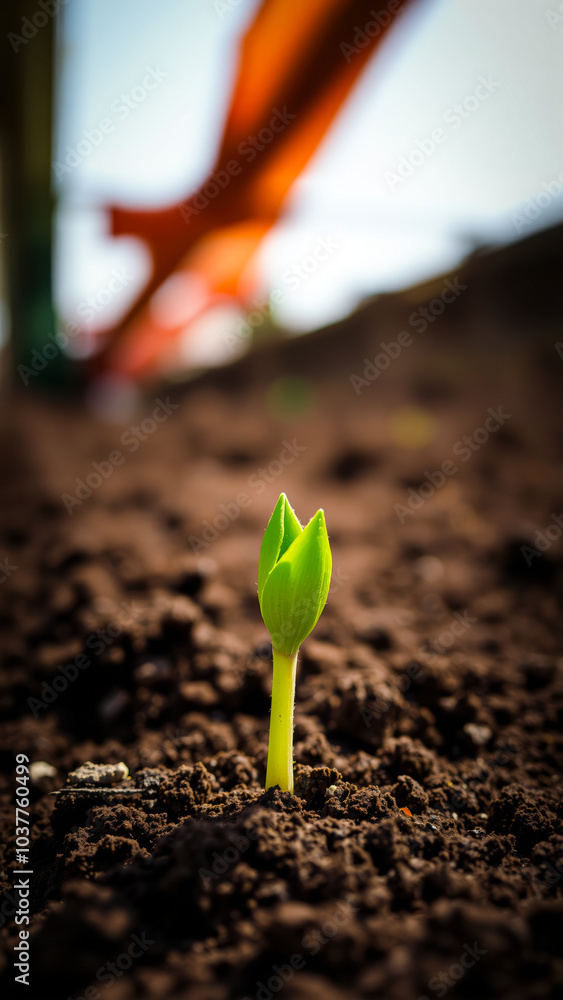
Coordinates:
[299,61]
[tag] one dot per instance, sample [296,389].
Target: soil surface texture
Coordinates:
[421,855]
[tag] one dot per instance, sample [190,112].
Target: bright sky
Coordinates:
[161,72]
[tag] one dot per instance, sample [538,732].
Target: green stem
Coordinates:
[280,746]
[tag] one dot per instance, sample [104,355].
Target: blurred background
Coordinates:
[431,137]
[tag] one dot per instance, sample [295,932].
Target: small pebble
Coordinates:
[479,735]
[98,774]
[149,779]
[429,568]
[39,770]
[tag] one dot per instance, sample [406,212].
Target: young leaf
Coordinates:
[295,590]
[293,580]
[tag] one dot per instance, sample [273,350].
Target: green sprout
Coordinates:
[293,580]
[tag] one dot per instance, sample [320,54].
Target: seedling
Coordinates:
[293,580]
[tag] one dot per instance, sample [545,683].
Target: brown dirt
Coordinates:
[422,853]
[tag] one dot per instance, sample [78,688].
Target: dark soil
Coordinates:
[422,852]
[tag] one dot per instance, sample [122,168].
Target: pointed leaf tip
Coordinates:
[291,527]
[271,542]
[293,592]
[282,529]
